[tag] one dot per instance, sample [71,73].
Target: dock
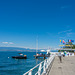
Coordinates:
[67,67]
[44,56]
[53,66]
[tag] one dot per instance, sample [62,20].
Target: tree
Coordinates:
[70,43]
[73,47]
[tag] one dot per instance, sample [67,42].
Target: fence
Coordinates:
[42,68]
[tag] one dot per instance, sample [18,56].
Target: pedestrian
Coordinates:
[60,56]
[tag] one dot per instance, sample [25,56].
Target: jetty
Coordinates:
[44,56]
[42,68]
[53,66]
[60,63]
[67,67]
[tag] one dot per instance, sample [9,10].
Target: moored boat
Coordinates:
[43,55]
[22,56]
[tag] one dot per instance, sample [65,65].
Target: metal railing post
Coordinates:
[44,67]
[47,63]
[39,70]
[30,73]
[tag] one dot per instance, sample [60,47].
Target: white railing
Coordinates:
[42,68]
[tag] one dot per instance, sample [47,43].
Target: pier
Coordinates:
[67,67]
[43,68]
[44,56]
[53,66]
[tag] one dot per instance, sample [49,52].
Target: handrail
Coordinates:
[43,66]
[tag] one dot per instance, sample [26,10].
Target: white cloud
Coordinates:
[70,34]
[11,43]
[5,42]
[65,31]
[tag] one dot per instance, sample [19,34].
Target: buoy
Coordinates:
[8,57]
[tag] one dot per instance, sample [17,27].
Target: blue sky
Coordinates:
[21,21]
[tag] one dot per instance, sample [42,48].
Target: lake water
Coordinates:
[10,66]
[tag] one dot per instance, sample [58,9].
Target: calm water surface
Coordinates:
[10,66]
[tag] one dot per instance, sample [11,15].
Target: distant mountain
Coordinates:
[16,49]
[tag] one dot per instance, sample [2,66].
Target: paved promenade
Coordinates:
[67,67]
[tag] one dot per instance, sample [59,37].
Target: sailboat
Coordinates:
[39,55]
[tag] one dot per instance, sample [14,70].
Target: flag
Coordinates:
[60,40]
[69,40]
[72,40]
[63,42]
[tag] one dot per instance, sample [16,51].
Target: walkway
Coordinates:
[67,67]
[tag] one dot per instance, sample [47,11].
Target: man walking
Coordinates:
[60,56]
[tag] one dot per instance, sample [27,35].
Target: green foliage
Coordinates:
[70,43]
[68,47]
[58,50]
[66,50]
[73,47]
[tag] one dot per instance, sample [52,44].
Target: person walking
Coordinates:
[60,56]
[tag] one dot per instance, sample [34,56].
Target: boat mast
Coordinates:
[36,44]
